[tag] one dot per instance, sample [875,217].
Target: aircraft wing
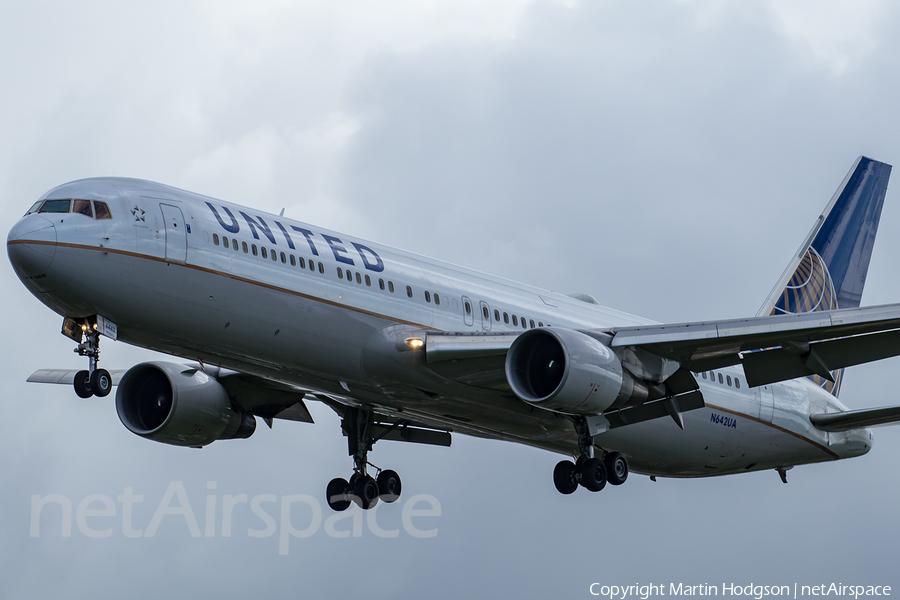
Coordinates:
[67,376]
[774,348]
[262,397]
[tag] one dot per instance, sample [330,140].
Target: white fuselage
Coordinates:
[161,271]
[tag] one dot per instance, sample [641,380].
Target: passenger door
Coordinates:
[176,235]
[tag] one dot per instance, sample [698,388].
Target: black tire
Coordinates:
[101,382]
[389,486]
[82,384]
[593,474]
[365,492]
[564,477]
[336,494]
[616,468]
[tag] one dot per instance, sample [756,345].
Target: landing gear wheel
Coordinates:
[101,382]
[593,474]
[82,384]
[389,486]
[365,492]
[616,468]
[336,494]
[564,477]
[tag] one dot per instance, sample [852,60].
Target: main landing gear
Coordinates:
[94,381]
[363,489]
[589,471]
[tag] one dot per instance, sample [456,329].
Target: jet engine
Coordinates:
[570,372]
[179,405]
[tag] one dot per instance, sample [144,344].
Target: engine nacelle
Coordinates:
[567,371]
[178,405]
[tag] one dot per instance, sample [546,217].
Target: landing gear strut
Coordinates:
[589,471]
[363,489]
[94,381]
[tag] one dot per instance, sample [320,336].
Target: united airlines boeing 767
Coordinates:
[271,313]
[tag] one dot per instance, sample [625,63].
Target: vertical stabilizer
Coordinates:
[829,269]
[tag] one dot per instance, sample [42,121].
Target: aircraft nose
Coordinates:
[31,245]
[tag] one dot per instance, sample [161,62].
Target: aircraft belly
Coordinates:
[713,443]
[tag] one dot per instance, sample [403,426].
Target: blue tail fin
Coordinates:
[829,270]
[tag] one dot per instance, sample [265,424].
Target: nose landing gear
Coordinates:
[94,381]
[588,471]
[362,489]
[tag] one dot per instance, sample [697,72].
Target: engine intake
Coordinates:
[176,405]
[570,372]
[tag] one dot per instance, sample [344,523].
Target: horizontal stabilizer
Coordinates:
[855,419]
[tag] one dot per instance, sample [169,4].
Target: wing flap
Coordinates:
[779,364]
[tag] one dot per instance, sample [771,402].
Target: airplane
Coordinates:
[271,313]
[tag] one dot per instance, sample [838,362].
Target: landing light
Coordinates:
[415,342]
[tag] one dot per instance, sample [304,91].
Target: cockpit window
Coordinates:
[55,206]
[101,210]
[82,207]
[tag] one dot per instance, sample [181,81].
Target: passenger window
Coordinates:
[515,321]
[505,318]
[531,323]
[216,239]
[101,210]
[283,258]
[381,283]
[312,266]
[427,297]
[55,206]
[391,286]
[524,324]
[728,379]
[720,378]
[234,245]
[244,246]
[263,252]
[275,255]
[468,308]
[368,281]
[484,310]
[340,273]
[437,299]
[302,263]
[540,324]
[321,268]
[703,374]
[225,242]
[409,291]
[253,249]
[737,383]
[358,277]
[293,261]
[496,315]
[82,207]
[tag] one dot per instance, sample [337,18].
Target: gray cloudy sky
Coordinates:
[666,157]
